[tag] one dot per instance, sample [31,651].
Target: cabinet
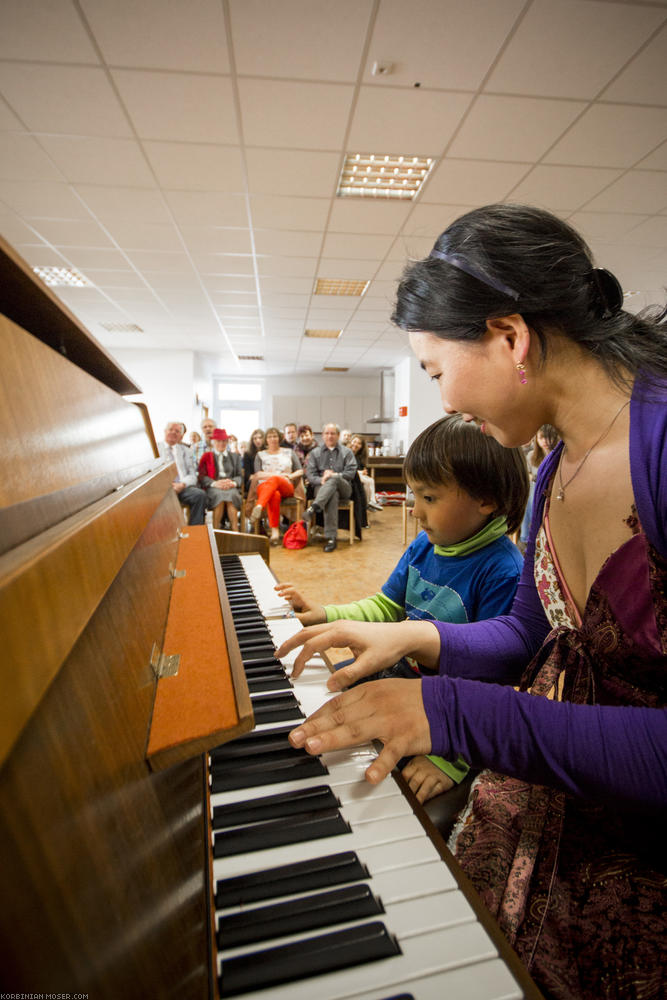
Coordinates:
[387,473]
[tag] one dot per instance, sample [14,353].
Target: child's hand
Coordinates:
[426,779]
[307,613]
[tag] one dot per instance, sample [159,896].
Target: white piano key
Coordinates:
[263,582]
[489,980]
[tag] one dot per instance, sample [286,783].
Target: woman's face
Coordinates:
[306,437]
[543,442]
[479,380]
[258,439]
[272,440]
[355,445]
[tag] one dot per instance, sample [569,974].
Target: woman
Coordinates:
[277,470]
[544,441]
[563,833]
[305,442]
[360,449]
[257,443]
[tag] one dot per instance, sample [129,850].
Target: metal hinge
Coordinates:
[163,665]
[177,574]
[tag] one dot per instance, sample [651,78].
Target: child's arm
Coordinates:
[307,613]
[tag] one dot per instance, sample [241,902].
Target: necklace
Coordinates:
[563,486]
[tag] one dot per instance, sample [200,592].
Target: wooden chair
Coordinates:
[291,507]
[347,507]
[406,507]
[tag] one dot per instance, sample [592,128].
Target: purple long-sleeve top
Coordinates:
[609,753]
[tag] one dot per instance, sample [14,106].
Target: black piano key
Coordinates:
[258,762]
[275,707]
[325,953]
[260,661]
[276,833]
[248,777]
[264,670]
[274,806]
[260,684]
[251,744]
[323,909]
[285,880]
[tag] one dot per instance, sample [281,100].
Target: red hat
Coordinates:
[219,434]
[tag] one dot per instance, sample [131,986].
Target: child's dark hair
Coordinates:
[453,449]
[505,259]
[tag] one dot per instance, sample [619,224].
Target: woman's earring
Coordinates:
[521,368]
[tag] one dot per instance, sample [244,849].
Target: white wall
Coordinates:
[414,390]
[166,379]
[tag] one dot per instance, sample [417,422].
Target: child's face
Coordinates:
[447,513]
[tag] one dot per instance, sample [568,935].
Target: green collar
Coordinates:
[494,529]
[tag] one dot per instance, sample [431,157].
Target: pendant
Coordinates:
[560,495]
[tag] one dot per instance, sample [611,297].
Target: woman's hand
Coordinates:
[307,613]
[388,710]
[425,778]
[375,645]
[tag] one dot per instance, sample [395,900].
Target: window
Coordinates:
[239,407]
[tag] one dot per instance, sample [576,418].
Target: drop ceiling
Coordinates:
[184,155]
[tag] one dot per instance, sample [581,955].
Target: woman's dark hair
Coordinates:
[361,455]
[452,449]
[505,259]
[538,454]
[252,449]
[302,428]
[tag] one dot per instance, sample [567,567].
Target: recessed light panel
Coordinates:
[55,276]
[324,334]
[250,357]
[340,286]
[380,175]
[122,327]
[328,368]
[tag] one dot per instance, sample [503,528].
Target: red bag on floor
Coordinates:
[296,536]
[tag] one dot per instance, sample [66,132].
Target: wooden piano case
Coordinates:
[102,815]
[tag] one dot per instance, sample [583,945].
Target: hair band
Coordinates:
[463,265]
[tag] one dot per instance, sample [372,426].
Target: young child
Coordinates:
[470,492]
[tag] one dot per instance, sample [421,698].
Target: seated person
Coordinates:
[469,493]
[330,468]
[289,436]
[185,480]
[359,448]
[256,444]
[220,474]
[205,443]
[277,469]
[305,442]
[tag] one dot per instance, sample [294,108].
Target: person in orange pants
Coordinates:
[278,470]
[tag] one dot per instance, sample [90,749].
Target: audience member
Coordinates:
[544,441]
[304,445]
[221,475]
[346,437]
[257,443]
[289,436]
[195,438]
[233,444]
[207,427]
[185,481]
[277,470]
[359,448]
[330,468]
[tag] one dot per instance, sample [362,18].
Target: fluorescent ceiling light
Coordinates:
[55,276]
[329,368]
[324,334]
[380,175]
[122,327]
[250,357]
[339,286]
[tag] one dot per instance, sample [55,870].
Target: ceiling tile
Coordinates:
[300,39]
[208,208]
[604,225]
[472,182]
[563,188]
[283,113]
[270,286]
[287,172]
[430,220]
[228,283]
[596,140]
[492,129]
[82,258]
[657,160]
[411,122]
[216,239]
[650,233]
[223,263]
[14,231]
[42,199]
[292,267]
[196,166]
[113,204]
[438,43]
[288,244]
[73,99]
[23,160]
[165,262]
[643,81]
[32,29]
[362,270]
[357,246]
[588,43]
[72,233]
[136,235]
[158,35]
[93,160]
[8,120]
[179,106]
[641,191]
[368,215]
[288,213]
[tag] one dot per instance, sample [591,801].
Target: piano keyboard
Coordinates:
[324,884]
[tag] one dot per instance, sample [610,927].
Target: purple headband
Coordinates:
[462,265]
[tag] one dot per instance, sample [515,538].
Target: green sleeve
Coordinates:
[456,770]
[371,609]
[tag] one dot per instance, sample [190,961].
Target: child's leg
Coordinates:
[426,779]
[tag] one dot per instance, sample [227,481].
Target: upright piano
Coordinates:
[158,838]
